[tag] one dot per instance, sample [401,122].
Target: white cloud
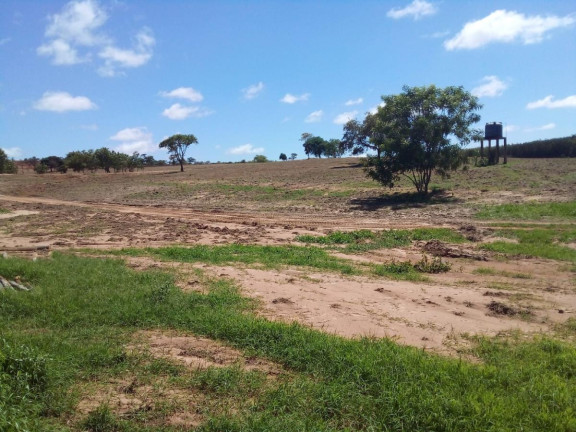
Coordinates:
[512,128]
[548,126]
[253,91]
[345,117]
[354,102]
[246,149]
[4,41]
[78,23]
[548,102]
[136,139]
[180,112]
[62,102]
[13,152]
[184,93]
[75,35]
[115,58]
[438,34]
[314,117]
[61,51]
[491,86]
[505,27]
[290,98]
[417,9]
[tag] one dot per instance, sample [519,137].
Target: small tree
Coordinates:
[293,156]
[260,159]
[414,133]
[177,146]
[283,157]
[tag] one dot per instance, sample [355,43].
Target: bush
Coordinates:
[41,169]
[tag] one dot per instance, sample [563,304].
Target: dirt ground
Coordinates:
[272,203]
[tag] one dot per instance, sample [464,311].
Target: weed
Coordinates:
[364,240]
[82,306]
[492,272]
[529,211]
[268,256]
[436,265]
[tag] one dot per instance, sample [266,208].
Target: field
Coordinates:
[289,296]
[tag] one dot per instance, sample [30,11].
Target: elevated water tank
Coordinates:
[493,131]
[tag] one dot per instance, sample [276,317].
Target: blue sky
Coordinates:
[249,77]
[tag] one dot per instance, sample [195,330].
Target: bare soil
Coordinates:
[272,203]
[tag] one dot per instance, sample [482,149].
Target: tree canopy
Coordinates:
[177,146]
[416,133]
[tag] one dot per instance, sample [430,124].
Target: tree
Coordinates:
[305,137]
[414,133]
[283,157]
[105,158]
[7,166]
[293,156]
[177,146]
[332,148]
[360,138]
[52,162]
[260,159]
[313,145]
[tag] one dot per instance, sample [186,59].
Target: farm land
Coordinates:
[292,295]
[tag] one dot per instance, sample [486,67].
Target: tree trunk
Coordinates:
[181,166]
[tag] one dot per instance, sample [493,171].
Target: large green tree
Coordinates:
[177,146]
[419,132]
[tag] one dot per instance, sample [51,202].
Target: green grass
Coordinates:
[74,326]
[364,240]
[270,257]
[3,210]
[538,242]
[529,211]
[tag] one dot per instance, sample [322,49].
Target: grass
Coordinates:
[491,272]
[74,326]
[3,210]
[270,257]
[364,240]
[537,242]
[529,211]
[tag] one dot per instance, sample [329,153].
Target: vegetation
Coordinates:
[412,134]
[549,148]
[73,329]
[260,159]
[318,146]
[537,242]
[267,256]
[7,166]
[363,240]
[283,157]
[530,211]
[177,146]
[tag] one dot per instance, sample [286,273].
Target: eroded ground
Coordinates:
[274,203]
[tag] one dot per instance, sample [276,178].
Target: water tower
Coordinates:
[493,131]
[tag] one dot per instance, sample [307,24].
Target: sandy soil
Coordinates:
[114,211]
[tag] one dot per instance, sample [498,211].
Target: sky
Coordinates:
[249,77]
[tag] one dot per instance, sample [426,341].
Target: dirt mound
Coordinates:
[441,249]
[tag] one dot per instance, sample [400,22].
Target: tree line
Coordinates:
[549,148]
[93,160]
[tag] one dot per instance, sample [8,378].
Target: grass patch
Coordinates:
[364,240]
[492,272]
[74,325]
[538,242]
[3,210]
[267,256]
[529,211]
